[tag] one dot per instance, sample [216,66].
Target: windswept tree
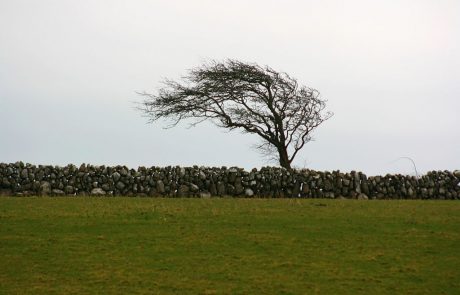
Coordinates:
[245,96]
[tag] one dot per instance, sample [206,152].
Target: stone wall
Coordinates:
[26,179]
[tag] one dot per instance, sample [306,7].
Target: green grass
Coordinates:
[228,246]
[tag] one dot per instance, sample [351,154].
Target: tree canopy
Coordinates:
[237,95]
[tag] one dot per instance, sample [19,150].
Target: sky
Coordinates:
[389,70]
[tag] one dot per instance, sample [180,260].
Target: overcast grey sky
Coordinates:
[390,71]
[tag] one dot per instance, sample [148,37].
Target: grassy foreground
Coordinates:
[228,246]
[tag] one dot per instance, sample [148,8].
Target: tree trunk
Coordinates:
[284,158]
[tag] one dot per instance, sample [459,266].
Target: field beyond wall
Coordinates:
[90,245]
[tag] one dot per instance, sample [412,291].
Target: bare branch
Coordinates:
[245,96]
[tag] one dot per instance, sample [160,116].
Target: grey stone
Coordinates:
[327,185]
[57,192]
[230,189]
[182,191]
[45,188]
[365,187]
[424,192]
[69,189]
[120,185]
[213,189]
[24,173]
[251,176]
[410,192]
[329,195]
[205,195]
[221,188]
[98,191]
[248,192]
[9,171]
[269,181]
[239,189]
[194,188]
[362,197]
[305,188]
[232,173]
[160,187]
[116,176]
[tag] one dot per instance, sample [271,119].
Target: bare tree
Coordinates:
[237,95]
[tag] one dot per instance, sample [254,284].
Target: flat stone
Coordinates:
[98,191]
[57,192]
[205,195]
[362,197]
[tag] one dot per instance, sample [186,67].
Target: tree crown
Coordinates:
[245,96]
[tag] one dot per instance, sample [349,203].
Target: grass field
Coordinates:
[228,246]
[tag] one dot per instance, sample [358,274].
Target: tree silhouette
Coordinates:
[245,96]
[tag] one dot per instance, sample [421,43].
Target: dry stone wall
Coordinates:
[271,182]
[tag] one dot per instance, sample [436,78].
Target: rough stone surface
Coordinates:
[160,187]
[182,191]
[205,195]
[57,192]
[23,179]
[221,188]
[116,176]
[45,188]
[69,190]
[194,188]
[120,185]
[362,197]
[248,192]
[98,191]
